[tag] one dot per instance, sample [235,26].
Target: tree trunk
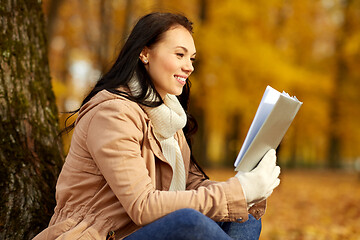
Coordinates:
[105,29]
[52,16]
[127,20]
[341,75]
[31,153]
[203,10]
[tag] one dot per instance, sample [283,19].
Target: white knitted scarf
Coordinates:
[167,119]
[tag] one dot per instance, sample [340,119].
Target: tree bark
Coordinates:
[31,153]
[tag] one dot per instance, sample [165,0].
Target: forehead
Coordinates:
[178,37]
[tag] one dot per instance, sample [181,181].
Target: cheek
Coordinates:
[162,66]
[162,69]
[169,66]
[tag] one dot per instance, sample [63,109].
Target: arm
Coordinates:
[196,179]
[115,137]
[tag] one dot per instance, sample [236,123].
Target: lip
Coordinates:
[182,76]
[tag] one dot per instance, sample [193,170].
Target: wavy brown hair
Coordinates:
[148,31]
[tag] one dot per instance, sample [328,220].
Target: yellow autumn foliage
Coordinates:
[309,48]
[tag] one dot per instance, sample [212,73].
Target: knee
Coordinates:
[190,218]
[256,224]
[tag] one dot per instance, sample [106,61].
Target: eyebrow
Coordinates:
[185,49]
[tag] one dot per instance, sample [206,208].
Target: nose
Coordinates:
[188,67]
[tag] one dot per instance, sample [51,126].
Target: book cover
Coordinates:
[272,119]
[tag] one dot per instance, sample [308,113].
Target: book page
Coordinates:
[272,119]
[266,105]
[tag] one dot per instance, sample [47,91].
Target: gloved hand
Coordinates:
[259,183]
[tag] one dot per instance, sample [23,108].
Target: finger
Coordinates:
[276,172]
[275,184]
[268,161]
[268,194]
[271,151]
[272,157]
[271,189]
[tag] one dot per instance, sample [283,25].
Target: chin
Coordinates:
[178,92]
[175,92]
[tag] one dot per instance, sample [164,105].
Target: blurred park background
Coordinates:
[309,48]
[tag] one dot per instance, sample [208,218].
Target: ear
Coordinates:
[144,55]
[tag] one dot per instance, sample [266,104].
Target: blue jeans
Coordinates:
[188,223]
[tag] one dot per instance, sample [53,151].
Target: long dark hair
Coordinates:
[148,31]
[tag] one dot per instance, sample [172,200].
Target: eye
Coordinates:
[192,59]
[180,55]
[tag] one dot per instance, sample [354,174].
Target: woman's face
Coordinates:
[170,61]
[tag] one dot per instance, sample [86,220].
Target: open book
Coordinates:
[272,119]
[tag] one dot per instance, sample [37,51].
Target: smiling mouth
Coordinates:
[181,79]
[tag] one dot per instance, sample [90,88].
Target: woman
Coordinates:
[129,173]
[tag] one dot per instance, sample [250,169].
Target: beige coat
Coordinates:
[115,177]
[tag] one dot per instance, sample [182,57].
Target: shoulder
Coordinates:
[111,105]
[120,103]
[113,117]
[109,110]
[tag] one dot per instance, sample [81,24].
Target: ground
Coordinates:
[310,204]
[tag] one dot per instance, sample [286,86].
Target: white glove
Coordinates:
[261,181]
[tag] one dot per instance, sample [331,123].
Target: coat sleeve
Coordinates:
[197,179]
[114,140]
